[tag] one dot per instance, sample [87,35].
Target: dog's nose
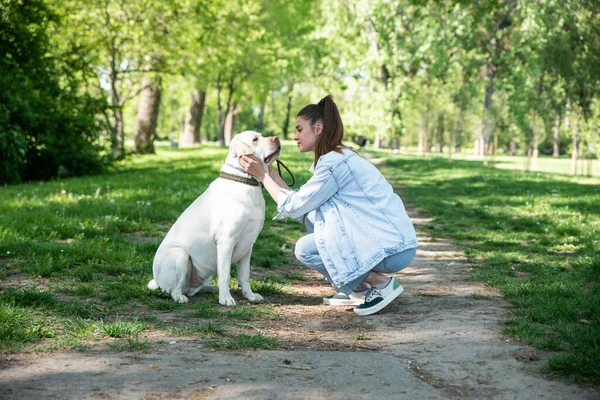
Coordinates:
[275,139]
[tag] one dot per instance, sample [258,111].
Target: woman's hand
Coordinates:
[253,166]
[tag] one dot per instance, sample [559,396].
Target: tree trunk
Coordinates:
[229,122]
[575,154]
[422,137]
[117,138]
[430,134]
[530,138]
[576,142]
[534,158]
[556,149]
[222,113]
[261,115]
[439,145]
[458,134]
[477,147]
[528,159]
[191,129]
[147,116]
[512,146]
[450,145]
[288,111]
[495,144]
[205,137]
[487,105]
[220,118]
[589,157]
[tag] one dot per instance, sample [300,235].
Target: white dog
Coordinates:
[219,228]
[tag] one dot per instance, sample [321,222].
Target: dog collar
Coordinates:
[240,179]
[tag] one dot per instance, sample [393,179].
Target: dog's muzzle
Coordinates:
[272,156]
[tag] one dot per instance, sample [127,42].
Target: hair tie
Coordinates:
[321,102]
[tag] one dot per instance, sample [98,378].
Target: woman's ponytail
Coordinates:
[327,113]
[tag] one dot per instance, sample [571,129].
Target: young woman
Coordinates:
[358,227]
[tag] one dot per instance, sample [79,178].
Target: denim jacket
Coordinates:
[359,220]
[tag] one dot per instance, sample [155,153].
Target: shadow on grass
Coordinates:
[540,241]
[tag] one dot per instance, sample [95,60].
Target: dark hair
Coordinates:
[327,113]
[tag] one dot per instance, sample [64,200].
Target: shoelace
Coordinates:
[372,294]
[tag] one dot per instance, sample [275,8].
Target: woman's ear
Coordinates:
[318,128]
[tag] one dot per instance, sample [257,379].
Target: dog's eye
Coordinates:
[255,139]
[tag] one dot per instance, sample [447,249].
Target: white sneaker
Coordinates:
[376,299]
[340,299]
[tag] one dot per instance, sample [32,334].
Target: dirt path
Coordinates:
[440,340]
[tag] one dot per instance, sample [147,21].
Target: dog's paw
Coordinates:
[226,301]
[180,298]
[254,297]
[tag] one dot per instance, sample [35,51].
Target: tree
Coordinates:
[191,131]
[48,127]
[147,116]
[126,40]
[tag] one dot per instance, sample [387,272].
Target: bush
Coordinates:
[47,128]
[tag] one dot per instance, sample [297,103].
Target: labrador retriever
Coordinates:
[219,228]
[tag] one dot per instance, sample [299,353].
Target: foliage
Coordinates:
[401,70]
[47,127]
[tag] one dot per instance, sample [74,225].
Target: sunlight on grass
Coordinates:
[83,248]
[121,328]
[539,238]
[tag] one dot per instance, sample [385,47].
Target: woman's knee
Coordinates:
[396,262]
[305,250]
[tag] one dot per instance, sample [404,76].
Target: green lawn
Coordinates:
[76,254]
[559,165]
[539,238]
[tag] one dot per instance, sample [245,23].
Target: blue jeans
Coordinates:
[306,252]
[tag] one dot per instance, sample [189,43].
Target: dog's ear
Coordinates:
[238,148]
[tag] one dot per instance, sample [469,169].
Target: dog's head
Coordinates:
[266,149]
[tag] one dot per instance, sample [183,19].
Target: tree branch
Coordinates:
[125,99]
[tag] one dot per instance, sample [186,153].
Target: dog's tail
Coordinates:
[152,285]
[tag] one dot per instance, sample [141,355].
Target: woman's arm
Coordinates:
[278,179]
[294,203]
[273,187]
[271,180]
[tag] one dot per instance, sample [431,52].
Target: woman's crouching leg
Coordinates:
[306,252]
[396,262]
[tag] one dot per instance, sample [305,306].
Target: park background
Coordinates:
[459,78]
[139,98]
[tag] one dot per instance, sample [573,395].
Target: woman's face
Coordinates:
[306,135]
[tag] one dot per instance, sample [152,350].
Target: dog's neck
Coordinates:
[232,166]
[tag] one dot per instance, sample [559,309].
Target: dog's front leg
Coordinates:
[243,268]
[224,252]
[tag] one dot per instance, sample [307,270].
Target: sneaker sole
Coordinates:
[381,304]
[342,302]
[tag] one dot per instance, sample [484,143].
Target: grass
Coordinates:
[82,248]
[243,341]
[539,238]
[76,254]
[554,165]
[121,328]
